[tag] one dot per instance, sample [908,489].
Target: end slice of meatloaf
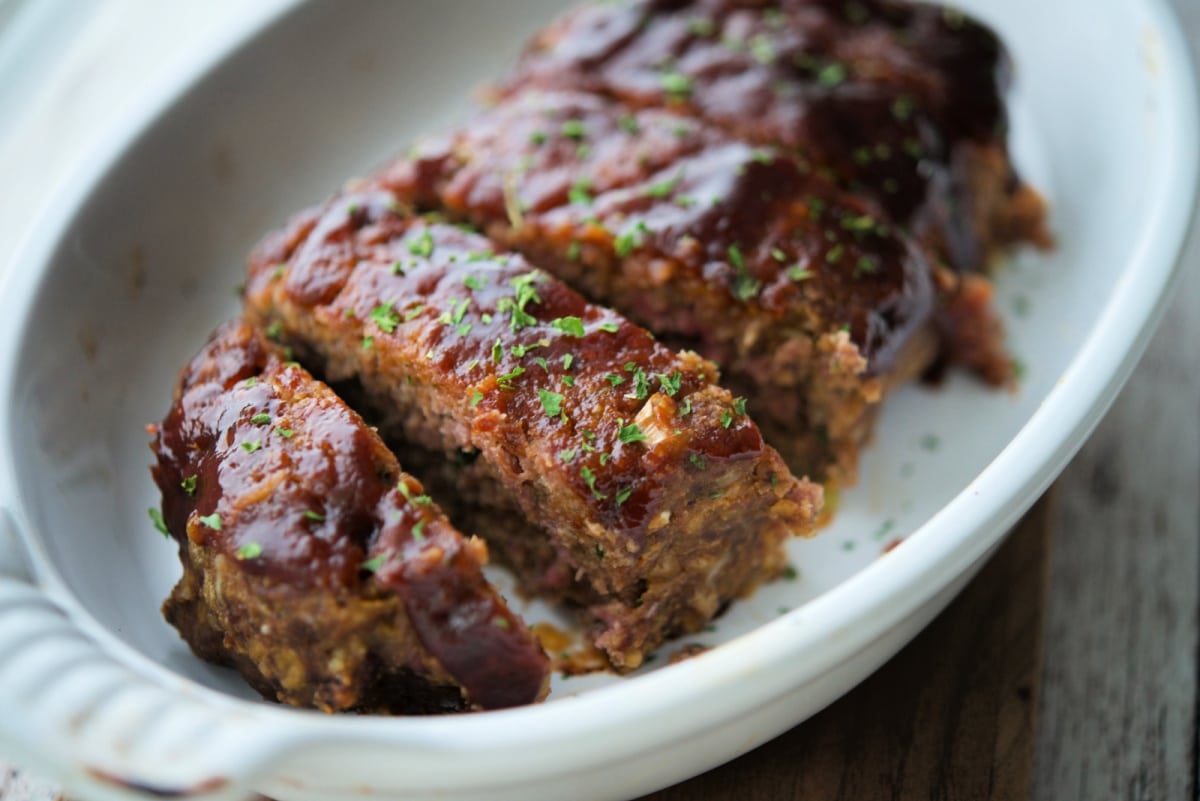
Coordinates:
[647,485]
[900,101]
[312,563]
[810,300]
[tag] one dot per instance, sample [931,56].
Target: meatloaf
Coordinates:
[902,102]
[651,496]
[312,563]
[812,302]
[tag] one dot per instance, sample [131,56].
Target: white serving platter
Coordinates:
[137,259]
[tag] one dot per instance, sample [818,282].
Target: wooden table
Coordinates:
[1067,669]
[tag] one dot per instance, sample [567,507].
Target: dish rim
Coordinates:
[860,609]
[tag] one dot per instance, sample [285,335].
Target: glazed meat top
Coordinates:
[613,413]
[878,92]
[267,466]
[764,240]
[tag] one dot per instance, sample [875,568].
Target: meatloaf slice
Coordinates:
[900,101]
[810,300]
[312,564]
[651,493]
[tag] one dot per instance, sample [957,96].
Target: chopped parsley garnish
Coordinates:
[250,382]
[735,258]
[551,402]
[274,330]
[834,254]
[505,381]
[476,397]
[623,495]
[866,266]
[726,419]
[665,188]
[574,129]
[567,360]
[309,514]
[676,83]
[422,246]
[156,519]
[567,454]
[631,433]
[251,550]
[903,107]
[641,386]
[611,328]
[614,379]
[625,244]
[286,433]
[790,573]
[762,49]
[525,294]
[252,445]
[497,350]
[670,383]
[698,461]
[519,351]
[537,138]
[702,26]
[568,381]
[798,273]
[832,74]
[374,563]
[189,485]
[385,317]
[581,191]
[413,312]
[572,326]
[419,500]
[213,521]
[474,282]
[629,124]
[589,478]
[686,408]
[261,419]
[739,406]
[778,255]
[416,530]
[574,250]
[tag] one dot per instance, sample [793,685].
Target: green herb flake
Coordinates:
[686,408]
[676,83]
[798,273]
[250,382]
[551,402]
[251,550]
[664,189]
[726,418]
[373,564]
[505,381]
[567,360]
[834,254]
[629,124]
[156,519]
[261,419]
[832,75]
[574,250]
[519,351]
[385,317]
[538,138]
[252,446]
[418,529]
[623,495]
[213,521]
[568,380]
[274,330]
[286,433]
[739,406]
[571,326]
[631,433]
[641,386]
[670,383]
[574,129]
[611,328]
[567,454]
[422,245]
[698,461]
[762,49]
[309,514]
[589,478]
[497,350]
[614,379]
[702,26]
[581,191]
[474,282]
[412,313]
[367,342]
[476,397]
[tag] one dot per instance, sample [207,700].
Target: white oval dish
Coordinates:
[134,264]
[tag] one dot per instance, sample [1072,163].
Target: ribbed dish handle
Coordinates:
[69,709]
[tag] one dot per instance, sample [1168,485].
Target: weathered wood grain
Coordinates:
[950,717]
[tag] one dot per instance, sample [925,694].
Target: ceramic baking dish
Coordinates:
[138,259]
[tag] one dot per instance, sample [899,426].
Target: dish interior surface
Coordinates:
[153,259]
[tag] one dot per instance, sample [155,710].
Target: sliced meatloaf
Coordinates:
[652,497]
[312,563]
